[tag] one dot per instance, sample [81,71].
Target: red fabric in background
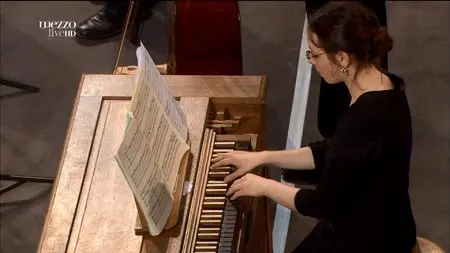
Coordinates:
[208,38]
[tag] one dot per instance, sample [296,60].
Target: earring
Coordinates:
[345,71]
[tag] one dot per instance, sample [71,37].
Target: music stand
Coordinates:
[20,86]
[19,180]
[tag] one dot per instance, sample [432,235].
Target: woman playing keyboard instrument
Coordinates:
[362,198]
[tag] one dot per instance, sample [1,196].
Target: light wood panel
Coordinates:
[116,86]
[90,170]
[110,211]
[69,180]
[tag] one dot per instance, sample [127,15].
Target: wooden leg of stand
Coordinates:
[124,35]
[135,23]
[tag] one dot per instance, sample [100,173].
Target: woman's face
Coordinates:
[318,58]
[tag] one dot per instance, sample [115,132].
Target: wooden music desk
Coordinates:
[92,208]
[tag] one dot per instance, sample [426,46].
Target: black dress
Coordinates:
[362,197]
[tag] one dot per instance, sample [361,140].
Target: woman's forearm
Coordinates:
[300,159]
[281,193]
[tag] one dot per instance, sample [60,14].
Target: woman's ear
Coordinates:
[343,59]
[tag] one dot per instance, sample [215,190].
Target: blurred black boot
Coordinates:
[104,24]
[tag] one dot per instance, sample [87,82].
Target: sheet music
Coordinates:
[150,156]
[152,79]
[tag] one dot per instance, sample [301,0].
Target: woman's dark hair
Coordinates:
[352,28]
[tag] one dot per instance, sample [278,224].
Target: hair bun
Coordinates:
[384,42]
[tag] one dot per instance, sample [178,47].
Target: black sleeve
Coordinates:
[346,170]
[319,151]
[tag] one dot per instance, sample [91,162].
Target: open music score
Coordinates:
[152,80]
[153,146]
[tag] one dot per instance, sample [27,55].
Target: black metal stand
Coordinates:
[20,86]
[20,180]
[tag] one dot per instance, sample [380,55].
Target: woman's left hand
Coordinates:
[248,185]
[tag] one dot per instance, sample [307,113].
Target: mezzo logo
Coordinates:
[59,28]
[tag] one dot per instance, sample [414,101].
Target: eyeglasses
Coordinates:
[310,55]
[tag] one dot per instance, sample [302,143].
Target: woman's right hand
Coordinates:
[244,161]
